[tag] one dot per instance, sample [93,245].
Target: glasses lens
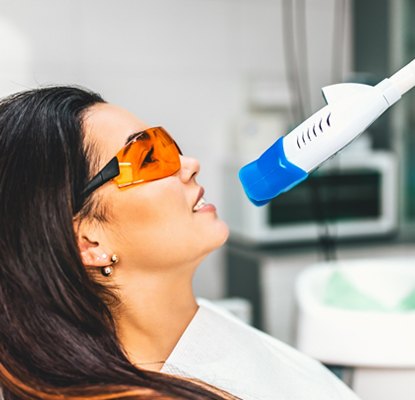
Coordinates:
[153,154]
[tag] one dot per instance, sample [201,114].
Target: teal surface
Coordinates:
[341,293]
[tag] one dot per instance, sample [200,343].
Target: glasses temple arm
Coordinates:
[111,170]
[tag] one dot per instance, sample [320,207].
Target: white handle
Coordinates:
[404,79]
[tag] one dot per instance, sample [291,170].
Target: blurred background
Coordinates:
[227,78]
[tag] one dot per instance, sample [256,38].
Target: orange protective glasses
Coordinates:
[148,155]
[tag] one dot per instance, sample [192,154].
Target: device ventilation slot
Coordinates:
[317,129]
[328,120]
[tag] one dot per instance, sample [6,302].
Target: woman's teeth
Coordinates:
[199,204]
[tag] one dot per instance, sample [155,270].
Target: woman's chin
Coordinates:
[222,234]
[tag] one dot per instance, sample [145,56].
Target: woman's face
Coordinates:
[152,225]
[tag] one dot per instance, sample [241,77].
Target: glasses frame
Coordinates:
[110,171]
[112,168]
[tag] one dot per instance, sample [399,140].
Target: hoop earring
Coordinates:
[108,269]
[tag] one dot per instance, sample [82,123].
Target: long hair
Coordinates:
[57,335]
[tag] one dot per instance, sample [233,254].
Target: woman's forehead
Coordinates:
[109,126]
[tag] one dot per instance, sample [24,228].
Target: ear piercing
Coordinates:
[108,269]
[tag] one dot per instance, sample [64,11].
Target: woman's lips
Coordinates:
[199,199]
[201,204]
[207,208]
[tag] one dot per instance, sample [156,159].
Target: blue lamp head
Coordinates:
[270,175]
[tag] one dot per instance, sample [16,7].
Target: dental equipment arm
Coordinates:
[350,109]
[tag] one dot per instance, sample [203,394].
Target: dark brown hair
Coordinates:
[57,335]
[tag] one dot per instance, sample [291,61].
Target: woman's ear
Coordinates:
[93,253]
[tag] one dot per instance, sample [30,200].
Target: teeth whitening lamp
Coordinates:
[350,109]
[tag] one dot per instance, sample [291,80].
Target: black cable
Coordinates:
[338,40]
[328,234]
[295,41]
[302,51]
[326,239]
[291,62]
[339,25]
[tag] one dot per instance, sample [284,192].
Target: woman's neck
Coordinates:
[154,313]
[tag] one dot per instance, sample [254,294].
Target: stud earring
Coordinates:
[114,259]
[108,269]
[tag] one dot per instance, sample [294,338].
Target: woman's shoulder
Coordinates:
[222,350]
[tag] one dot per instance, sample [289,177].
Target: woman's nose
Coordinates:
[190,167]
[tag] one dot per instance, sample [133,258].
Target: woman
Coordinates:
[102,227]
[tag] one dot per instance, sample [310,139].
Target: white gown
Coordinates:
[219,349]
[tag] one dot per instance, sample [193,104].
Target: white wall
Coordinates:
[183,64]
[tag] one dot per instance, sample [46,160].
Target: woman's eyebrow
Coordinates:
[133,136]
